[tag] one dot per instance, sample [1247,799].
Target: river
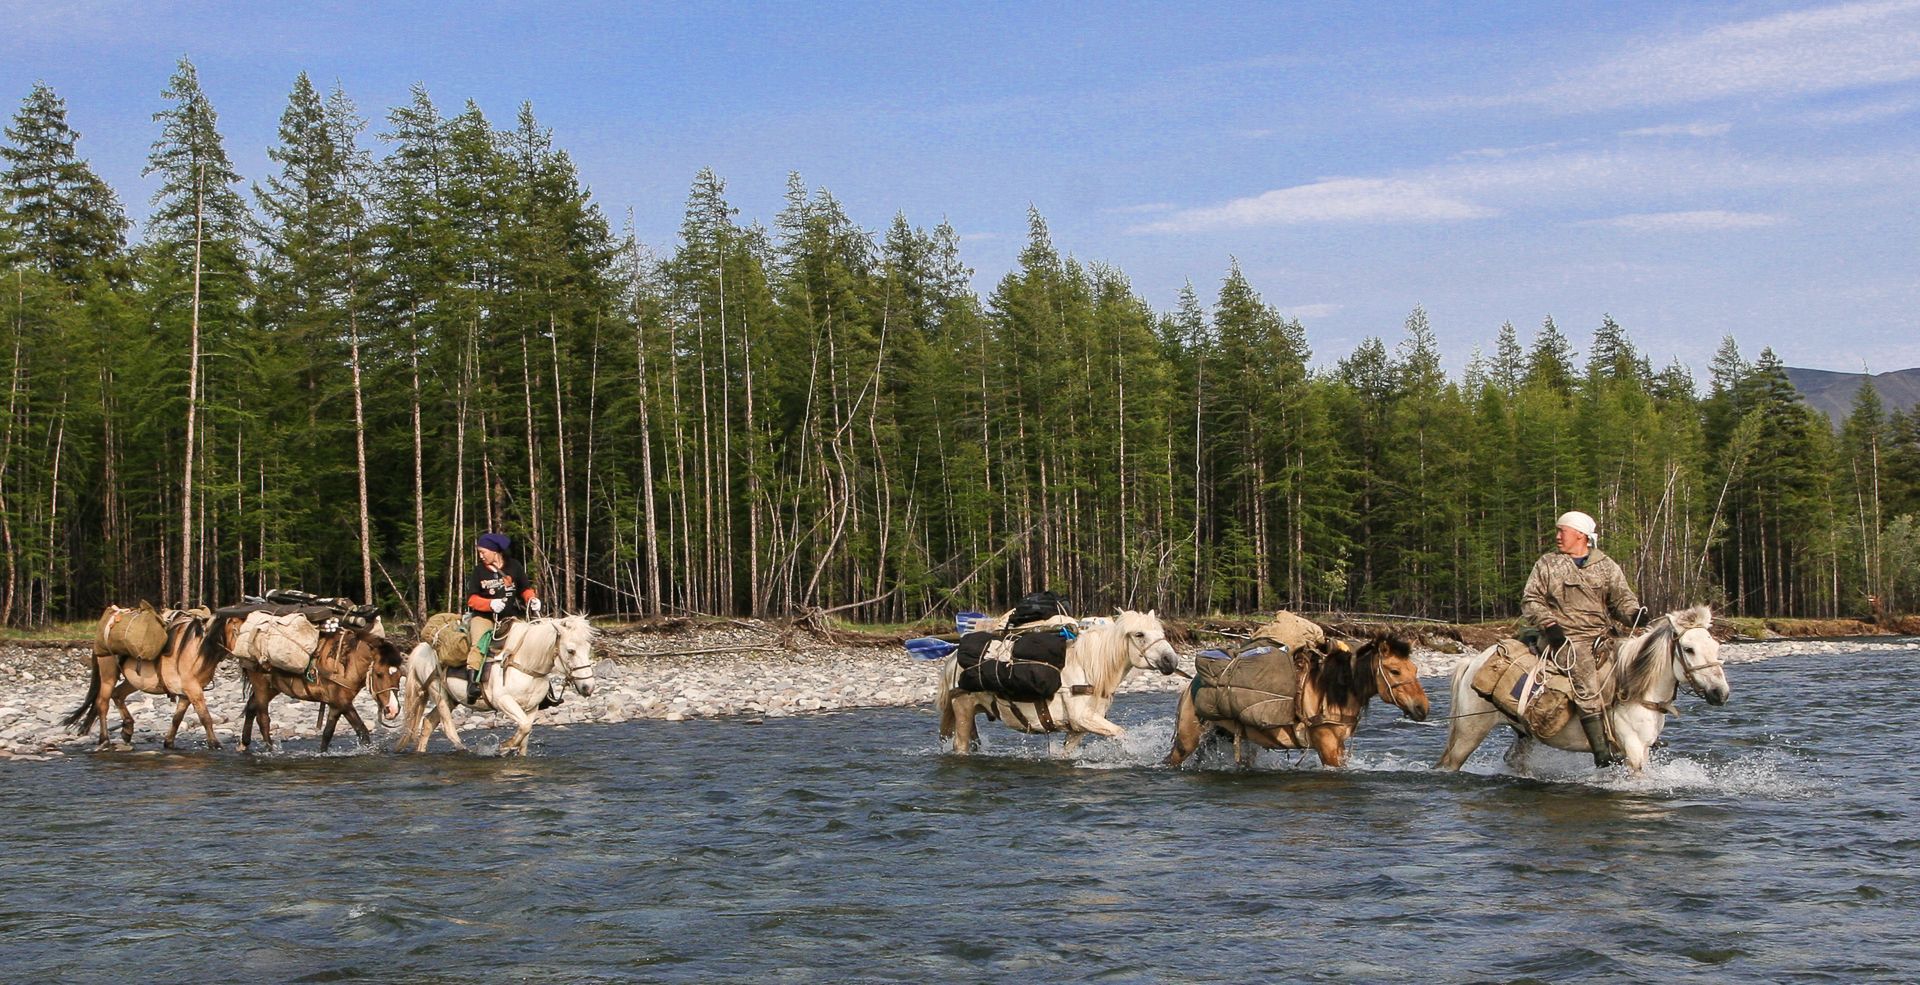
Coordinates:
[1778,838]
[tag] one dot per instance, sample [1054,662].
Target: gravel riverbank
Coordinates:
[742,670]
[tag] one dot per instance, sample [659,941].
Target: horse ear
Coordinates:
[1153,613]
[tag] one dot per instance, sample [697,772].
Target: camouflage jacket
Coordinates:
[1578,598]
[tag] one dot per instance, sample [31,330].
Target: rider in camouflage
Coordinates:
[1571,595]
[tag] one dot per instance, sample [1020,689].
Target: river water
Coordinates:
[1778,838]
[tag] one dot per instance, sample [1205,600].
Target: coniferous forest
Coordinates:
[336,375]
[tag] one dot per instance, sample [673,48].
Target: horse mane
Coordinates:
[1346,674]
[1103,672]
[216,640]
[1636,675]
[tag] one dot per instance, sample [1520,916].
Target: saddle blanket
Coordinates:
[1526,688]
[283,642]
[1019,667]
[1255,683]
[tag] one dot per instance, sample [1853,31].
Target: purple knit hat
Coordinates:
[495,542]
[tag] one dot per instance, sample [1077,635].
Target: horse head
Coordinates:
[1696,655]
[1146,641]
[1396,679]
[386,671]
[574,636]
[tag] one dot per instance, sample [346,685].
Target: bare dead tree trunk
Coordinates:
[193,397]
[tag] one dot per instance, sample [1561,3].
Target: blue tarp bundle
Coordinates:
[929,648]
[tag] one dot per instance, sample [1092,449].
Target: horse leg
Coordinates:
[1186,730]
[197,694]
[264,714]
[1473,717]
[1633,744]
[331,720]
[965,725]
[106,670]
[359,724]
[1330,742]
[522,721]
[173,729]
[120,692]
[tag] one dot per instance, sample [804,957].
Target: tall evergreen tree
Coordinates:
[58,216]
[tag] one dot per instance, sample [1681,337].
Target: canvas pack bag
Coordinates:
[283,642]
[127,632]
[1254,683]
[449,639]
[1297,633]
[1521,685]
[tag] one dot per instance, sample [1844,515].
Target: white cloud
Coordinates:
[1303,311]
[1682,130]
[1144,208]
[978,237]
[1828,49]
[1653,222]
[1329,200]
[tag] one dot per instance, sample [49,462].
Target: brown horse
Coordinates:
[181,672]
[1335,686]
[345,663]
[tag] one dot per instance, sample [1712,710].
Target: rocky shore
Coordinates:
[744,669]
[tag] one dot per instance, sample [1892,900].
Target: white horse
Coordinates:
[1648,672]
[515,683]
[1096,663]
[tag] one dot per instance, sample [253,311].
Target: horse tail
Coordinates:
[82,718]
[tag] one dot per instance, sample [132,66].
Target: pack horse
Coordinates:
[1095,663]
[138,649]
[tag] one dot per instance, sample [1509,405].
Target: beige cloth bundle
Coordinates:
[1297,633]
[282,642]
[449,639]
[127,632]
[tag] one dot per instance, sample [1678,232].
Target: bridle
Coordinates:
[560,650]
[1669,637]
[1386,686]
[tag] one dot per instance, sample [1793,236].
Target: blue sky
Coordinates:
[1694,170]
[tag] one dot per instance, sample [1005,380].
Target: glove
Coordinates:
[533,606]
[1552,637]
[498,606]
[1642,618]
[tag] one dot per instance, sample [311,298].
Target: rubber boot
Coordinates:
[1596,730]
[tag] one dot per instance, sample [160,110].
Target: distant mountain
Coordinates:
[1832,393]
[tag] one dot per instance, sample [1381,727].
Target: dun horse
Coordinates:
[346,662]
[515,685]
[1097,662]
[182,672]
[1648,671]
[1334,689]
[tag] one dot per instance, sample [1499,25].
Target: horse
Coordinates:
[346,662]
[1335,686]
[182,671]
[515,684]
[1097,662]
[1648,671]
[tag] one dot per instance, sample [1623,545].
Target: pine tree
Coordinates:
[198,234]
[56,215]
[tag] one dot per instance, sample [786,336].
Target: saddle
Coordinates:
[1526,687]
[1255,683]
[1017,664]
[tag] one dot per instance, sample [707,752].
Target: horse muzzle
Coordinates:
[1164,659]
[583,688]
[1718,696]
